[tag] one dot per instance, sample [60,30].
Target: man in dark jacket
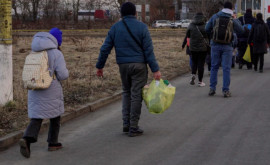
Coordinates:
[132,58]
[247,20]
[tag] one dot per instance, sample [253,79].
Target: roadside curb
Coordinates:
[12,138]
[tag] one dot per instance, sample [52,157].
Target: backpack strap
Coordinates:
[207,44]
[133,37]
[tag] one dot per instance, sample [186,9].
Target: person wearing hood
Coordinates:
[46,103]
[198,47]
[260,37]
[247,20]
[134,50]
[221,52]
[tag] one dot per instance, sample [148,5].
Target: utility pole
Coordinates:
[6,74]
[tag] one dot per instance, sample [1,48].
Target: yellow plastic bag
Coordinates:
[158,96]
[247,56]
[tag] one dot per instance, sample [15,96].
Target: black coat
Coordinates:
[197,42]
[262,28]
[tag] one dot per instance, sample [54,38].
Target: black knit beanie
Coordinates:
[249,11]
[259,16]
[228,5]
[128,8]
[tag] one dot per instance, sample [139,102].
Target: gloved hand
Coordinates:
[100,72]
[157,75]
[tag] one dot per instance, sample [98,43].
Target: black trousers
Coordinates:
[257,58]
[31,133]
[198,60]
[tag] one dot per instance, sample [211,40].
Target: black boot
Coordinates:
[135,132]
[24,148]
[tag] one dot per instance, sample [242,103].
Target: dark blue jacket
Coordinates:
[237,27]
[126,49]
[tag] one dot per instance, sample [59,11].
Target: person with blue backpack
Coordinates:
[246,21]
[221,27]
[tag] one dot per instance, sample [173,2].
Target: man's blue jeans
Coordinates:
[221,55]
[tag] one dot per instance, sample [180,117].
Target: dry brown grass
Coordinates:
[81,51]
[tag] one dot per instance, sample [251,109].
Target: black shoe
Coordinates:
[135,132]
[233,65]
[192,81]
[24,148]
[255,69]
[211,92]
[227,94]
[126,129]
[240,66]
[54,147]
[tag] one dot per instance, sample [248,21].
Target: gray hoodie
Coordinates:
[48,103]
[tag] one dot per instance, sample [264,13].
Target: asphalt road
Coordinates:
[195,130]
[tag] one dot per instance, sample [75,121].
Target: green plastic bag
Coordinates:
[158,96]
[247,56]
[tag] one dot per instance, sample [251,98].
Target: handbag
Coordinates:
[207,44]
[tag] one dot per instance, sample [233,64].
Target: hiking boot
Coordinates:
[192,81]
[126,129]
[54,147]
[24,148]
[211,92]
[201,84]
[135,132]
[227,94]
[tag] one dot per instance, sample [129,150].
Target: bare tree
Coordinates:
[90,4]
[24,6]
[15,5]
[162,8]
[208,7]
[50,8]
[76,7]
[35,9]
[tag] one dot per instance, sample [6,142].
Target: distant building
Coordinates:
[262,6]
[148,12]
[91,15]
[86,15]
[187,11]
